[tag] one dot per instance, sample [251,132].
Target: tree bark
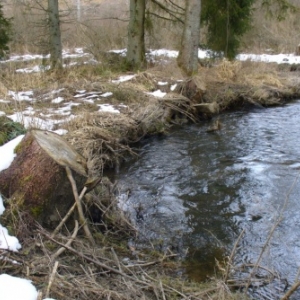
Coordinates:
[188,54]
[54,35]
[37,183]
[136,32]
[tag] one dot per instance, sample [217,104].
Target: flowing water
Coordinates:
[195,191]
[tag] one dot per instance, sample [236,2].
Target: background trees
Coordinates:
[5,27]
[226,22]
[55,45]
[227,26]
[136,34]
[188,53]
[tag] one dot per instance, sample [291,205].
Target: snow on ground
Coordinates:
[62,112]
[7,152]
[151,54]
[21,96]
[269,58]
[123,78]
[158,94]
[7,156]
[13,288]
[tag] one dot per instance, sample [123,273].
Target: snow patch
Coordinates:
[7,152]
[107,94]
[108,108]
[14,288]
[158,94]
[58,100]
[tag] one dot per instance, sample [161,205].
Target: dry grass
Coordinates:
[235,84]
[102,271]
[66,266]
[102,138]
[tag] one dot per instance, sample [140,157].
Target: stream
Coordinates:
[194,192]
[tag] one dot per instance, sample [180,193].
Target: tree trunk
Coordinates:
[37,183]
[136,32]
[54,34]
[188,54]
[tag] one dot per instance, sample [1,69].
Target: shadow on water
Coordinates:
[194,192]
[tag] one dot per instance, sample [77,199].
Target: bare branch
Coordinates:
[82,219]
[176,5]
[169,11]
[164,18]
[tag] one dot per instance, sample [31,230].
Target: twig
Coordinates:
[260,267]
[167,288]
[82,219]
[62,249]
[96,262]
[291,290]
[66,217]
[279,219]
[64,220]
[39,296]
[162,290]
[150,263]
[231,255]
[116,259]
[51,279]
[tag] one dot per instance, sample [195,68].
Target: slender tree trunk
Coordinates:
[54,34]
[188,54]
[78,11]
[136,32]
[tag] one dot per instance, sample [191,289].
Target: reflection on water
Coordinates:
[195,191]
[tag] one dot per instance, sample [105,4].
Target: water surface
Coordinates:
[194,192]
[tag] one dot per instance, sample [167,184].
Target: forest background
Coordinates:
[102,25]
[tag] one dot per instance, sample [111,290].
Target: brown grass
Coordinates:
[235,84]
[101,272]
[66,266]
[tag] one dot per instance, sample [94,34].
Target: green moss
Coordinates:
[9,130]
[3,138]
[27,178]
[36,211]
[50,246]
[19,148]
[10,229]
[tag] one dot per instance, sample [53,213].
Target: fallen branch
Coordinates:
[82,219]
[278,221]
[51,279]
[232,255]
[291,290]
[68,214]
[62,249]
[96,262]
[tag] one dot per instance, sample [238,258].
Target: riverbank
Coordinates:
[113,268]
